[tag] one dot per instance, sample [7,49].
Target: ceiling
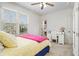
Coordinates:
[57,6]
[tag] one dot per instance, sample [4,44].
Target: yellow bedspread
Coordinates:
[25,47]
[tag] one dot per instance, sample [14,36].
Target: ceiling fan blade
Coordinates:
[35,3]
[50,4]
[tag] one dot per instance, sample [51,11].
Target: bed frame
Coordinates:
[43,51]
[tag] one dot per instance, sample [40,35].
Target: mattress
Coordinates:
[25,48]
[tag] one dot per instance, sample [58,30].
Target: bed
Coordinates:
[26,47]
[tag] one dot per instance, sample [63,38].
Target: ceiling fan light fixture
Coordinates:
[42,3]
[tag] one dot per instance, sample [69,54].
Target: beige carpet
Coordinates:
[60,50]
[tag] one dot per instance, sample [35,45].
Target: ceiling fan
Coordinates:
[43,4]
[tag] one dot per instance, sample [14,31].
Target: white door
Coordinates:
[75,29]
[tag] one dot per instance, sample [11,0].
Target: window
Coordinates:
[9,21]
[13,24]
[23,23]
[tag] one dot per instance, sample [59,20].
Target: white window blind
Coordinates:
[23,19]
[9,16]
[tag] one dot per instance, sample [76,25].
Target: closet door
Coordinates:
[75,30]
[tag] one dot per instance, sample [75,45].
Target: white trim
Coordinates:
[75,30]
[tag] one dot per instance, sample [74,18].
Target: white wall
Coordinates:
[60,19]
[33,18]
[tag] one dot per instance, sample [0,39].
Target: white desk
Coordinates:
[57,36]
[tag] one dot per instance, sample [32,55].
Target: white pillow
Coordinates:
[1,47]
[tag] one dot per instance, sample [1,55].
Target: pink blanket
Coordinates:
[33,37]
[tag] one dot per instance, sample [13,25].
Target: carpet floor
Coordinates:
[60,50]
